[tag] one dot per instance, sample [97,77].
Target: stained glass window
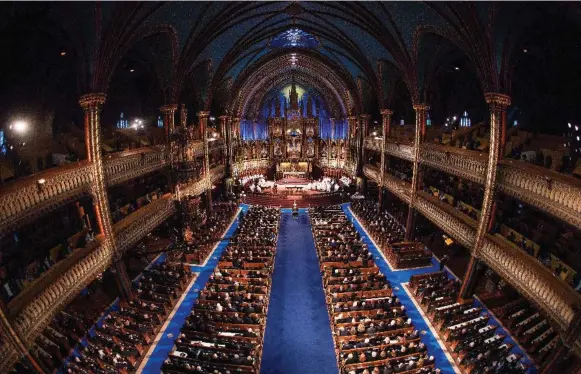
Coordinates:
[294,38]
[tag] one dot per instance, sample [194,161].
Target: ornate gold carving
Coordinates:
[465,164]
[92,100]
[130,230]
[385,112]
[133,164]
[34,317]
[23,202]
[526,182]
[497,101]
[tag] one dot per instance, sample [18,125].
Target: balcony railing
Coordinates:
[399,149]
[28,198]
[8,356]
[130,230]
[552,192]
[123,166]
[43,300]
[395,185]
[523,272]
[466,164]
[456,224]
[217,173]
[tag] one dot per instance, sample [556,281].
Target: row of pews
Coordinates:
[388,234]
[225,329]
[532,330]
[371,330]
[476,344]
[120,343]
[200,241]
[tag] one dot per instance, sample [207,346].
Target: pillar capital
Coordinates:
[224,117]
[364,116]
[169,108]
[203,114]
[92,100]
[386,112]
[498,100]
[421,107]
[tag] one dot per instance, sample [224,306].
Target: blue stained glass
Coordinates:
[294,38]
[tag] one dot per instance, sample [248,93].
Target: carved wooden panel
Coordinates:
[403,150]
[132,164]
[26,199]
[217,173]
[459,226]
[465,164]
[401,189]
[531,278]
[33,318]
[557,194]
[130,230]
[8,357]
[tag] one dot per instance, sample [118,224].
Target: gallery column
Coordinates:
[203,119]
[497,104]
[421,110]
[385,132]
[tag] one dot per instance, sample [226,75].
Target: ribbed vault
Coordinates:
[308,69]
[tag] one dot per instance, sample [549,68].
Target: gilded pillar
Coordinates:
[363,126]
[92,105]
[183,116]
[14,342]
[421,110]
[203,119]
[497,104]
[385,131]
[169,112]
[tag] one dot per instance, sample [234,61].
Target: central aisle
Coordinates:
[298,334]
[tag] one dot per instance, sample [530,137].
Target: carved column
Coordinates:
[473,272]
[421,116]
[497,105]
[351,141]
[169,112]
[203,119]
[363,124]
[122,278]
[385,131]
[14,342]
[92,104]
[183,116]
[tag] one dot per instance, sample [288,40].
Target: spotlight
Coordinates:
[19,126]
[63,53]
[525,50]
[131,70]
[569,124]
[456,68]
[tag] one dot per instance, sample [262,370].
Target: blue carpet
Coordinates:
[298,333]
[396,278]
[166,343]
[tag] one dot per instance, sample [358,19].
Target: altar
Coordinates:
[296,174]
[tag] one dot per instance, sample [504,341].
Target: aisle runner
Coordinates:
[396,278]
[298,333]
[153,361]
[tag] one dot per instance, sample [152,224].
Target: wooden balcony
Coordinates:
[35,307]
[217,173]
[395,185]
[123,166]
[554,193]
[130,230]
[28,198]
[522,271]
[399,149]
[463,163]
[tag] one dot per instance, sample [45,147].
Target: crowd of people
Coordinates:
[119,344]
[199,241]
[225,329]
[389,235]
[531,328]
[325,184]
[372,331]
[467,330]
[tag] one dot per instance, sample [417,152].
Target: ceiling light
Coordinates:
[525,50]
[19,126]
[63,53]
[456,68]
[131,70]
[569,124]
